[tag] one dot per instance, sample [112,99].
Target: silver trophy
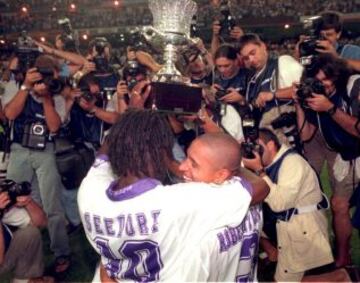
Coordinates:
[170,35]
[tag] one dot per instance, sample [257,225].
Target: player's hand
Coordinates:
[32,76]
[325,46]
[233,96]
[263,97]
[319,103]
[4,200]
[216,27]
[139,94]
[236,32]
[23,201]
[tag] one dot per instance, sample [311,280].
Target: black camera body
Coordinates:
[251,133]
[87,95]
[227,21]
[307,87]
[131,71]
[101,62]
[34,136]
[307,48]
[55,86]
[14,190]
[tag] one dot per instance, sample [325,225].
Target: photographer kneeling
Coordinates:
[36,112]
[20,239]
[327,92]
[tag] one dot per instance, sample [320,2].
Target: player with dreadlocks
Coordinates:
[144,230]
[144,149]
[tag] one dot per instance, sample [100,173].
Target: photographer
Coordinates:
[230,80]
[92,112]
[294,216]
[270,87]
[99,56]
[20,239]
[224,28]
[133,74]
[322,110]
[328,31]
[36,112]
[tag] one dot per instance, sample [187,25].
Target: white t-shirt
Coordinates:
[151,232]
[16,216]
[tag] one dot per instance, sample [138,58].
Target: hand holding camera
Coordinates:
[32,76]
[325,46]
[319,103]
[121,89]
[232,95]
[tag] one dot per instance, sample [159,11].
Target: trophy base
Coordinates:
[176,97]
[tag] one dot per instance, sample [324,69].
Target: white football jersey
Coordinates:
[150,232]
[231,252]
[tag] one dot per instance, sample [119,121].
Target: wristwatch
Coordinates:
[24,88]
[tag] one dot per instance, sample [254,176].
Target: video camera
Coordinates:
[227,21]
[26,51]
[14,190]
[307,48]
[68,36]
[307,87]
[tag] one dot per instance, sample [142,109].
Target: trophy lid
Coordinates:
[173,16]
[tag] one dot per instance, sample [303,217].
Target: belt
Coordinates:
[287,214]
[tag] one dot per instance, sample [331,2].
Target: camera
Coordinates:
[101,62]
[87,95]
[307,87]
[307,48]
[55,86]
[251,133]
[131,71]
[68,36]
[14,190]
[227,21]
[34,136]
[26,51]
[288,125]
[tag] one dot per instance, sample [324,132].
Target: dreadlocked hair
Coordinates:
[139,144]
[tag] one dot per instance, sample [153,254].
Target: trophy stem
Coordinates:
[169,71]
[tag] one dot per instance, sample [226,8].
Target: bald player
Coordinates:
[143,230]
[230,252]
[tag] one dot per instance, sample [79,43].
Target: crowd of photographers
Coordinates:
[58,105]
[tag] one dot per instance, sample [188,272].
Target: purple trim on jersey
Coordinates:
[129,192]
[102,157]
[247,186]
